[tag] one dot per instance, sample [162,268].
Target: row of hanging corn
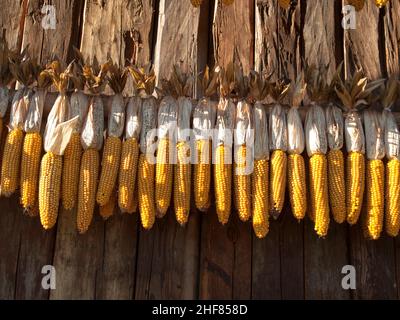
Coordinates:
[71,169]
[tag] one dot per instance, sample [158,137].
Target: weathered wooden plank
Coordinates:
[12,18]
[392,37]
[233,33]
[168,254]
[47,41]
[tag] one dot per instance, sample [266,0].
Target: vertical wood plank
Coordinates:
[374,260]
[167,265]
[12,17]
[392,37]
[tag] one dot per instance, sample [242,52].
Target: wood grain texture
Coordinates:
[12,17]
[392,37]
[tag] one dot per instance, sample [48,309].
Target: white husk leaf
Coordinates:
[354,133]
[277,128]
[243,124]
[19,108]
[4,99]
[58,131]
[93,128]
[167,117]
[225,121]
[133,118]
[334,123]
[33,119]
[184,113]
[149,123]
[374,135]
[204,119]
[316,131]
[392,135]
[296,140]
[261,146]
[79,107]
[116,119]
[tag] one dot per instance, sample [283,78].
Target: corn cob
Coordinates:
[30,165]
[202,175]
[11,161]
[354,185]
[357,4]
[242,185]
[381,3]
[196,3]
[297,185]
[319,193]
[337,187]
[286,4]
[127,174]
[107,210]
[87,188]
[260,198]
[49,189]
[393,197]
[132,208]
[277,181]
[70,175]
[182,183]
[164,171]
[222,180]
[147,208]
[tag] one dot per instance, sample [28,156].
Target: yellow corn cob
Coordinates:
[146,177]
[49,189]
[357,4]
[30,165]
[109,169]
[375,199]
[107,210]
[182,183]
[223,181]
[127,174]
[196,3]
[11,161]
[337,191]
[297,185]
[393,197]
[133,205]
[1,128]
[319,193]
[277,181]
[242,186]
[88,175]
[354,186]
[202,175]
[164,171]
[71,166]
[260,198]
[381,3]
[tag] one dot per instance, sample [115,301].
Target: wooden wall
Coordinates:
[117,259]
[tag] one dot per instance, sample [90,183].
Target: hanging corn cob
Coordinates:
[260,183]
[223,151]
[317,145]
[381,3]
[374,134]
[129,156]
[243,165]
[112,145]
[73,152]
[352,94]
[392,146]
[296,145]
[278,146]
[144,80]
[107,210]
[167,119]
[203,123]
[92,140]
[196,3]
[24,71]
[286,4]
[357,4]
[183,85]
[32,146]
[56,137]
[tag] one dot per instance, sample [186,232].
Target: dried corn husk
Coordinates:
[261,145]
[58,131]
[225,121]
[374,135]
[278,128]
[93,127]
[354,133]
[116,119]
[149,122]
[316,131]
[79,107]
[392,135]
[19,108]
[4,100]
[243,135]
[334,123]
[184,114]
[33,119]
[204,119]
[167,117]
[133,118]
